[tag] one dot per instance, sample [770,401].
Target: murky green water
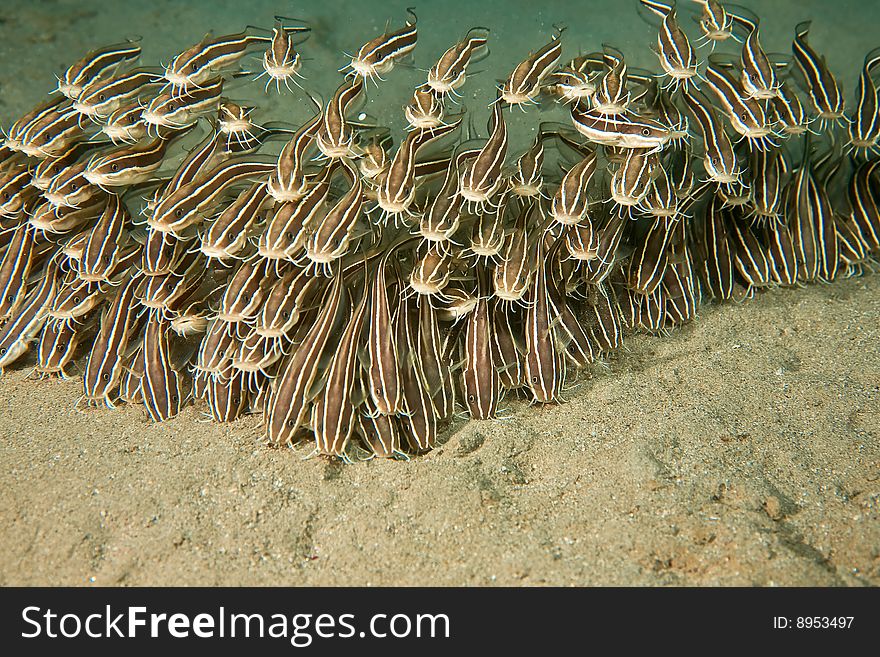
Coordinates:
[38,40]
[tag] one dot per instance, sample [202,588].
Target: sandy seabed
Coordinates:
[740,450]
[743,449]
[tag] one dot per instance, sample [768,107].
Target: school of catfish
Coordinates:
[359,290]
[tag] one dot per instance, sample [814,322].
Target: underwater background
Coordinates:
[740,450]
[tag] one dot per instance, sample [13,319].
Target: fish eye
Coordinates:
[170,107]
[59,348]
[6,196]
[107,259]
[114,167]
[534,379]
[101,97]
[74,187]
[745,117]
[178,213]
[715,160]
[105,376]
[472,398]
[236,400]
[288,235]
[646,132]
[10,299]
[290,423]
[285,314]
[48,136]
[2,350]
[173,399]
[76,299]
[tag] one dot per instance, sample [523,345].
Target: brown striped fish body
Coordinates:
[865,202]
[488,234]
[125,124]
[383,378]
[432,354]
[103,246]
[77,299]
[281,60]
[441,220]
[825,91]
[545,366]
[378,56]
[631,182]
[162,253]
[481,178]
[746,114]
[285,303]
[604,317]
[748,254]
[424,110]
[288,404]
[507,347]
[245,292]
[163,387]
[116,336]
[227,236]
[189,204]
[481,383]
[620,130]
[170,111]
[256,354]
[15,190]
[512,275]
[216,348]
[576,81]
[609,232]
[612,96]
[759,78]
[719,159]
[71,189]
[582,241]
[98,63]
[419,422]
[397,189]
[127,165]
[381,433]
[15,267]
[789,112]
[781,254]
[57,347]
[20,331]
[674,50]
[288,182]
[768,168]
[333,235]
[649,259]
[715,21]
[457,303]
[450,71]
[528,179]
[524,82]
[52,134]
[570,202]
[166,292]
[191,69]
[864,128]
[334,413]
[102,97]
[47,168]
[335,136]
[713,254]
[228,396]
[45,111]
[432,272]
